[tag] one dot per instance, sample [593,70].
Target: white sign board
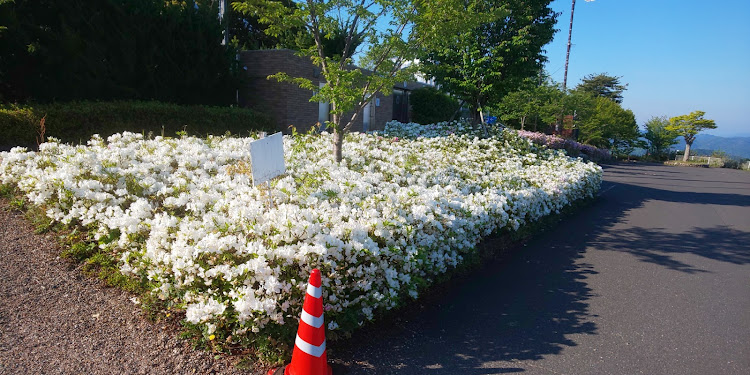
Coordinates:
[267,158]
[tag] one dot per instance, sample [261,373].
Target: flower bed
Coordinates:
[381,225]
[441,129]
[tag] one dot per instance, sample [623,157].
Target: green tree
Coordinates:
[480,65]
[580,106]
[251,34]
[659,138]
[603,85]
[410,24]
[688,126]
[534,102]
[607,125]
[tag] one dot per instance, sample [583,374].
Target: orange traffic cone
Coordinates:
[309,355]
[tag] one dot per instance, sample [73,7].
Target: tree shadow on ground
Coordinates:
[655,246]
[533,301]
[659,246]
[667,195]
[521,306]
[720,243]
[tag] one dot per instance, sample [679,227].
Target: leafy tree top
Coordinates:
[603,85]
[533,100]
[389,31]
[690,125]
[608,124]
[481,64]
[658,135]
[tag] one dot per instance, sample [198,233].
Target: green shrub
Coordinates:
[429,106]
[735,163]
[169,51]
[76,122]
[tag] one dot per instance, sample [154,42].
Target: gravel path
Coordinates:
[54,320]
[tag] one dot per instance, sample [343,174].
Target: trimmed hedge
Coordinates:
[76,122]
[65,50]
[429,106]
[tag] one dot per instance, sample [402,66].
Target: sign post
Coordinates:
[267,162]
[267,158]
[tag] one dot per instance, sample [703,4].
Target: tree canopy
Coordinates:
[409,25]
[430,105]
[483,63]
[688,126]
[658,136]
[603,85]
[251,34]
[533,102]
[599,121]
[608,125]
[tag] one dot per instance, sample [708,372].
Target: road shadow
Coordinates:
[521,306]
[640,194]
[659,246]
[653,245]
[534,300]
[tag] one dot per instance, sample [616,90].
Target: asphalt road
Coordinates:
[653,278]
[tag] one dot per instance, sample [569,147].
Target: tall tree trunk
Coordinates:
[458,110]
[475,115]
[687,152]
[523,121]
[338,138]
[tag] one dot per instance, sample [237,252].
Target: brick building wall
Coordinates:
[285,102]
[288,104]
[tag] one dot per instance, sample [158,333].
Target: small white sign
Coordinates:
[267,158]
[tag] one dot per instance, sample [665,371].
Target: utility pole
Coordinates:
[570,36]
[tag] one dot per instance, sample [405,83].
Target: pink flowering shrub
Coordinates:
[572,147]
[443,129]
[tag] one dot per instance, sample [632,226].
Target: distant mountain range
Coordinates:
[735,146]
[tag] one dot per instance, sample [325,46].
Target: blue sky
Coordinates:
[676,56]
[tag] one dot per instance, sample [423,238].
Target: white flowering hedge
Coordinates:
[414,130]
[381,225]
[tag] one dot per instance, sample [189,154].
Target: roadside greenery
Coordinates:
[591,112]
[688,126]
[170,51]
[448,128]
[409,26]
[480,65]
[659,137]
[429,105]
[533,106]
[76,122]
[180,217]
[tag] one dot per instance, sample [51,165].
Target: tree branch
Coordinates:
[349,38]
[315,28]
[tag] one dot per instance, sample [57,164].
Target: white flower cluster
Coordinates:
[380,225]
[441,129]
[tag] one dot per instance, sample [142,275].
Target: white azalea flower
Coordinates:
[391,217]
